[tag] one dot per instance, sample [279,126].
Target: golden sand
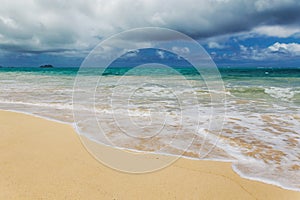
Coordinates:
[41,159]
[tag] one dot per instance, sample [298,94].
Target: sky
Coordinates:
[233,32]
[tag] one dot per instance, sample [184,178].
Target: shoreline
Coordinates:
[27,137]
[274,183]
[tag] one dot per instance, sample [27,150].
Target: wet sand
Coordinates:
[41,159]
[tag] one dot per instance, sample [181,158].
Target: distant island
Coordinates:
[46,66]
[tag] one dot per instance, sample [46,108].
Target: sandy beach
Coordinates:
[41,159]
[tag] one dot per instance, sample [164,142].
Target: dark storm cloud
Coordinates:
[58,26]
[241,16]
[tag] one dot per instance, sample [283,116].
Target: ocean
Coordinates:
[259,128]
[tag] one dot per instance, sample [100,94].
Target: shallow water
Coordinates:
[147,109]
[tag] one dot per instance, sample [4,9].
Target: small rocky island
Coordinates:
[46,66]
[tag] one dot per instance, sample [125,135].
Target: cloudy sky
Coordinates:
[233,32]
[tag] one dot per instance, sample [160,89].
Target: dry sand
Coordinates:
[41,159]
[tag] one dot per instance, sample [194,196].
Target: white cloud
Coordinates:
[290,48]
[160,54]
[181,50]
[262,5]
[133,53]
[277,51]
[68,25]
[215,45]
[277,31]
[243,48]
[8,22]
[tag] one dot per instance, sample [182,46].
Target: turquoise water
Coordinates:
[260,133]
[226,72]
